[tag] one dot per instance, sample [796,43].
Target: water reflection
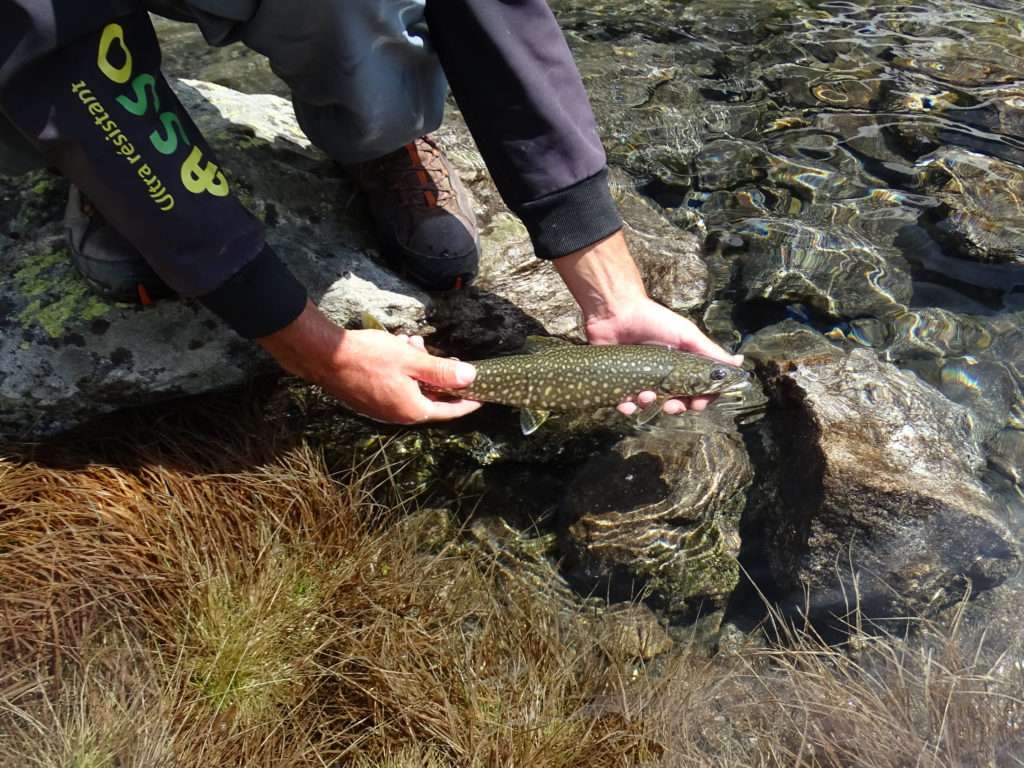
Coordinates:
[859,165]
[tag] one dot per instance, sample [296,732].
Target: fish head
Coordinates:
[696,375]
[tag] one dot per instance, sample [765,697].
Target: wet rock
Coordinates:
[880,501]
[728,163]
[816,86]
[965,62]
[669,259]
[989,388]
[834,273]
[932,332]
[657,515]
[1006,454]
[527,564]
[983,204]
[792,343]
[633,632]
[649,115]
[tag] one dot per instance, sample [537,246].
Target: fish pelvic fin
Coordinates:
[530,419]
[370,321]
[649,412]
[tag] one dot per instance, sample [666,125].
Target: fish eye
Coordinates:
[717,374]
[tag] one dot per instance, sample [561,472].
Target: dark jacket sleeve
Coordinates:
[517,85]
[82,82]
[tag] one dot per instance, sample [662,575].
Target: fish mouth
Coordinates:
[736,386]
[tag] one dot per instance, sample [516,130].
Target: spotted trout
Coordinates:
[554,375]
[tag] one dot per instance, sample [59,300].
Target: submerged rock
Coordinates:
[982,215]
[880,501]
[789,262]
[658,516]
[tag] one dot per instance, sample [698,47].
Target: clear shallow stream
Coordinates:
[859,166]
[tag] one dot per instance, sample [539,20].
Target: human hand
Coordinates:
[647,322]
[604,280]
[372,372]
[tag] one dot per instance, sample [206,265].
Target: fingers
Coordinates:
[674,407]
[700,402]
[442,410]
[702,345]
[442,372]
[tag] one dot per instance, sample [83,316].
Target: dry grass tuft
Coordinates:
[174,603]
[932,699]
[213,595]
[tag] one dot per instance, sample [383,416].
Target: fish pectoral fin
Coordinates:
[368,320]
[649,412]
[536,344]
[531,419]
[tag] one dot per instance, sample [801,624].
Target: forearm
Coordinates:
[603,278]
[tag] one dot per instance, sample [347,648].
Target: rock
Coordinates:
[657,515]
[969,61]
[526,564]
[839,276]
[1006,454]
[70,356]
[932,332]
[632,632]
[879,499]
[982,215]
[647,109]
[669,259]
[810,167]
[791,343]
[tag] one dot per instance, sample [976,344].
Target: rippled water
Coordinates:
[859,166]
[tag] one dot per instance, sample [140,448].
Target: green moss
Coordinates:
[248,199]
[59,297]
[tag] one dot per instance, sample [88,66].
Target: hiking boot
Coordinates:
[108,262]
[422,214]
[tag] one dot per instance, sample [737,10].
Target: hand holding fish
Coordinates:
[650,323]
[607,285]
[373,372]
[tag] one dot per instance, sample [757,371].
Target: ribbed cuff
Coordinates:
[572,218]
[260,299]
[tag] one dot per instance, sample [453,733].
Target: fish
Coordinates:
[555,375]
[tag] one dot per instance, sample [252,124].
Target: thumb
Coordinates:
[702,345]
[443,372]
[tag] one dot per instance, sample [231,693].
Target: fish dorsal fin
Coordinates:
[536,344]
[649,412]
[530,419]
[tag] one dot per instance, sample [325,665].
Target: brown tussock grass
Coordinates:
[183,604]
[212,594]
